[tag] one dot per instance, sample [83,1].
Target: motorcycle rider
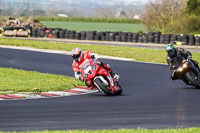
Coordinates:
[173,52]
[79,57]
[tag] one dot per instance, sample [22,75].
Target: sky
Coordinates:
[108,2]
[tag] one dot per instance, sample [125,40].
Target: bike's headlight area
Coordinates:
[185,65]
[180,69]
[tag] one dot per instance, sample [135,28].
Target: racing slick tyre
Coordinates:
[99,84]
[119,90]
[191,77]
[185,80]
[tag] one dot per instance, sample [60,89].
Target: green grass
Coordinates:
[83,19]
[28,81]
[140,54]
[187,130]
[97,26]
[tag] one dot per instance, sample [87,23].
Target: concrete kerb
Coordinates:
[51,94]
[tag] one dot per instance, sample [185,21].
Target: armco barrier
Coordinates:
[151,37]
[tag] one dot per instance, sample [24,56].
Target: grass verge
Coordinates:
[187,130]
[140,54]
[81,19]
[14,80]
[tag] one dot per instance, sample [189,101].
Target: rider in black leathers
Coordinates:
[174,52]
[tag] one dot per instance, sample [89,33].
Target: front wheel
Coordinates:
[99,84]
[192,78]
[118,91]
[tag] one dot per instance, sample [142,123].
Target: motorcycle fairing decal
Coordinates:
[82,64]
[94,67]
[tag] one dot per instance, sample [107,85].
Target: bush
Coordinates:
[185,25]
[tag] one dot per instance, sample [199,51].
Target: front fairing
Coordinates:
[89,69]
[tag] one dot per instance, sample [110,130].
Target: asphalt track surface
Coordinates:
[150,99]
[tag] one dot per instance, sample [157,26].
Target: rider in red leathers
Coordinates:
[79,57]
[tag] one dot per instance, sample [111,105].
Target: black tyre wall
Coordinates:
[151,37]
[197,40]
[191,40]
[185,39]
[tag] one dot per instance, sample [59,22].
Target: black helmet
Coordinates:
[171,50]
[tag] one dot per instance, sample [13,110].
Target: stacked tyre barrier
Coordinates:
[151,37]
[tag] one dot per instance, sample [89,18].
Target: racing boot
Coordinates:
[107,67]
[114,75]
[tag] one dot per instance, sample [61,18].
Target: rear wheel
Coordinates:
[103,87]
[191,76]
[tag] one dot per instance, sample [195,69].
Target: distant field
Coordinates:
[97,26]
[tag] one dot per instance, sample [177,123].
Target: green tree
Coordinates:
[192,6]
[161,13]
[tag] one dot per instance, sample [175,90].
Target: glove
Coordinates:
[173,68]
[98,61]
[189,59]
[77,76]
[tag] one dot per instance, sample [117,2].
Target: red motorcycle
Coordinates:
[97,77]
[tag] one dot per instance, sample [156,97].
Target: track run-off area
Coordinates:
[150,98]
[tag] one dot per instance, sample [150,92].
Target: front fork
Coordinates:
[111,82]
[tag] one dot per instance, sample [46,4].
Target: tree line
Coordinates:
[173,16]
